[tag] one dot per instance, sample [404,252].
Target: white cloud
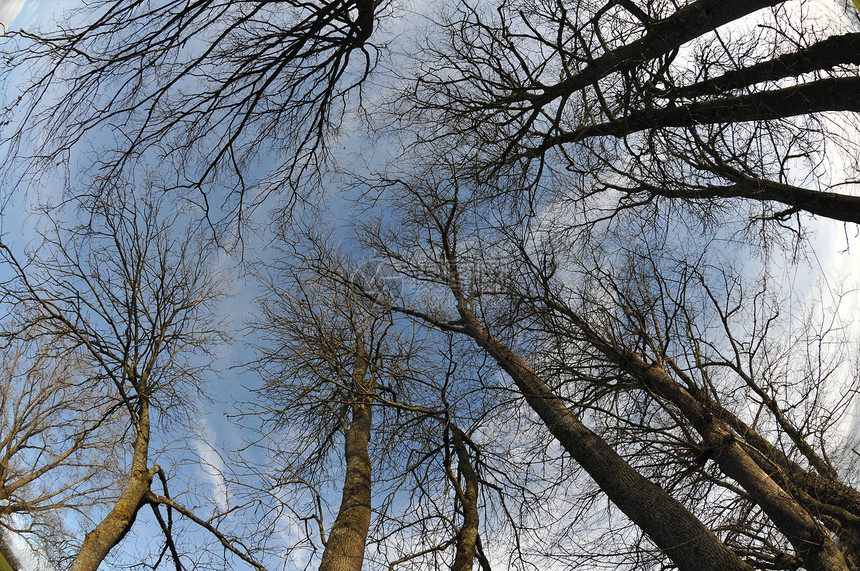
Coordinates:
[212,465]
[9,10]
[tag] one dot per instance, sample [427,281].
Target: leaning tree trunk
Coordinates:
[671,526]
[344,550]
[110,531]
[822,55]
[823,494]
[663,36]
[811,540]
[829,94]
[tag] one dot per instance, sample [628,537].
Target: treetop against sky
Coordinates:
[360,284]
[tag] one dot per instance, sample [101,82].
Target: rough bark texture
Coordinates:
[344,550]
[676,531]
[110,531]
[467,538]
[823,493]
[811,540]
[825,488]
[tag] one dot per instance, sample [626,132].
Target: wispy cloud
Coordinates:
[9,10]
[212,465]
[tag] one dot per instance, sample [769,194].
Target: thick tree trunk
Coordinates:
[467,538]
[110,531]
[823,486]
[823,493]
[811,540]
[364,21]
[676,531]
[662,37]
[344,550]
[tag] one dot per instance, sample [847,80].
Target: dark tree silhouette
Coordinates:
[214,88]
[650,101]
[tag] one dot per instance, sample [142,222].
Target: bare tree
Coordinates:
[53,434]
[325,355]
[546,300]
[468,536]
[214,88]
[332,360]
[646,101]
[656,351]
[434,210]
[134,302]
[809,537]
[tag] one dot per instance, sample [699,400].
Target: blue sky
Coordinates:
[192,456]
[832,263]
[18,14]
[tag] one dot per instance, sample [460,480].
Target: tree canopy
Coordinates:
[537,284]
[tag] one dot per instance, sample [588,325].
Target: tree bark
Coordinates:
[110,531]
[344,550]
[467,538]
[823,493]
[676,531]
[842,207]
[823,55]
[812,541]
[831,94]
[823,487]
[662,37]
[364,22]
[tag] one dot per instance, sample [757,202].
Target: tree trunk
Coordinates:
[676,531]
[110,531]
[835,503]
[831,94]
[344,550]
[822,487]
[663,37]
[364,21]
[826,54]
[842,207]
[467,538]
[811,540]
